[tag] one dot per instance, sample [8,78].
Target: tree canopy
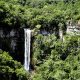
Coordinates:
[11,69]
[29,13]
[52,59]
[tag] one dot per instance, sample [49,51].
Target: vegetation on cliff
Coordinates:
[56,60]
[29,13]
[51,58]
[11,69]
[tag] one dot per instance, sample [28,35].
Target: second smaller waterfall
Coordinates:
[27,48]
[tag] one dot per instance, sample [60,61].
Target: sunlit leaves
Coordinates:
[62,61]
[9,67]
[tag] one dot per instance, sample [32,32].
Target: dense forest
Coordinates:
[52,58]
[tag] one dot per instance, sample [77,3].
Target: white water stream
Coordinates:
[27,33]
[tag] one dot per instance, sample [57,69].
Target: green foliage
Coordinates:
[9,67]
[42,47]
[47,13]
[52,59]
[60,61]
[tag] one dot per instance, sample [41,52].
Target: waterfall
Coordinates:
[27,48]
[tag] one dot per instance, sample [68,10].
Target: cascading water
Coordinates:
[27,48]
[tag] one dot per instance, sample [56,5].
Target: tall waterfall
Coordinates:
[27,48]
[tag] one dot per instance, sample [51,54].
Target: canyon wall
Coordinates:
[12,40]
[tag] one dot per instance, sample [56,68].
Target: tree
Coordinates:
[11,69]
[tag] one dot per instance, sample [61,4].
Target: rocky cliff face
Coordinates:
[12,40]
[73,28]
